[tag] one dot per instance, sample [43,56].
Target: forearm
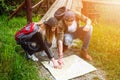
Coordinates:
[60,48]
[47,50]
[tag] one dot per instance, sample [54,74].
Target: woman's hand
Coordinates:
[56,64]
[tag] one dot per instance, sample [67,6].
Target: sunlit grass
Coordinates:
[105,49]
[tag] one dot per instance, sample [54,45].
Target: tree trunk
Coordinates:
[28,10]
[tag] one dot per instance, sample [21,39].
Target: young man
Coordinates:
[68,28]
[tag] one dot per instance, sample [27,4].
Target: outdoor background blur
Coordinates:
[104,46]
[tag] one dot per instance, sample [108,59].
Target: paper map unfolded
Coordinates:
[73,67]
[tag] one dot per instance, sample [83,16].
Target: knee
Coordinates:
[68,39]
[91,29]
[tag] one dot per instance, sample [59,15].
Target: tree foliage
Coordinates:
[8,6]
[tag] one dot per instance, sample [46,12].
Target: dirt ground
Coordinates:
[43,72]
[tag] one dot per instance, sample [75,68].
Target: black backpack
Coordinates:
[29,38]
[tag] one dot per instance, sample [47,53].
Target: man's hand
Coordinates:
[60,61]
[86,28]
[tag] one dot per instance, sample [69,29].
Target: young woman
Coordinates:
[42,40]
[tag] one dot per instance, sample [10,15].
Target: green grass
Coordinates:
[104,48]
[13,65]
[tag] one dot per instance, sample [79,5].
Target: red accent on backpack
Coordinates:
[24,30]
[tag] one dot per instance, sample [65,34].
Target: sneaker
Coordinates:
[84,54]
[33,57]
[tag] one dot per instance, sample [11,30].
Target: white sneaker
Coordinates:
[33,57]
[42,53]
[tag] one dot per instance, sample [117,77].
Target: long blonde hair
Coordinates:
[51,22]
[49,33]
